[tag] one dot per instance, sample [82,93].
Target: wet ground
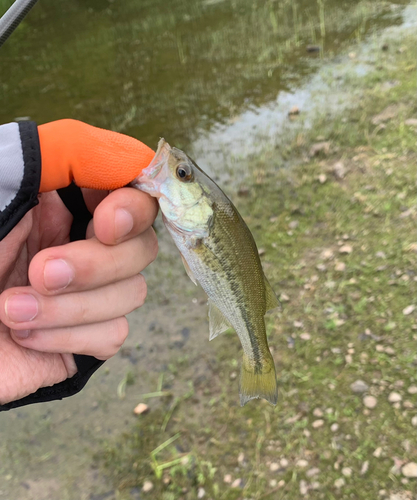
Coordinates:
[185,57]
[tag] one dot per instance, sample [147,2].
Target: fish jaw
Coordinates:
[146,180]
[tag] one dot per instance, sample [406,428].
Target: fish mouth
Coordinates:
[144,181]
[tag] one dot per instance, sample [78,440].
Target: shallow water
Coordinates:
[184,74]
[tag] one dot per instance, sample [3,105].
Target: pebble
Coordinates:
[365,467]
[394,397]
[302,463]
[409,470]
[315,485]
[414,421]
[303,487]
[283,463]
[408,310]
[241,457]
[147,486]
[284,297]
[237,483]
[305,336]
[412,389]
[345,249]
[347,471]
[313,472]
[281,483]
[318,412]
[140,409]
[339,482]
[327,254]
[377,453]
[390,351]
[227,479]
[334,427]
[317,423]
[201,493]
[370,402]
[340,266]
[408,405]
[359,386]
[348,359]
[274,466]
[412,122]
[273,483]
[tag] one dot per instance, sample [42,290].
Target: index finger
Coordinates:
[123,214]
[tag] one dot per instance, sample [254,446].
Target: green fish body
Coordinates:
[219,252]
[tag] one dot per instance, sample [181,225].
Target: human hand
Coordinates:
[50,310]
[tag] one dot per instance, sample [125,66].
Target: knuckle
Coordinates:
[121,331]
[141,290]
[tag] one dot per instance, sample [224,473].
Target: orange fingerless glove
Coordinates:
[91,157]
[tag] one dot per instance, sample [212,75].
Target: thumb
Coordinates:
[91,157]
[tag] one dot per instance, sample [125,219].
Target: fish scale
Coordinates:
[219,252]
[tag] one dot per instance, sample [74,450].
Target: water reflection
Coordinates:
[154,69]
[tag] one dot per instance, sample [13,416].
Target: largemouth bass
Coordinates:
[219,252]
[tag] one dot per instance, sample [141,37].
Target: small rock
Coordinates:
[318,412]
[261,251]
[327,254]
[364,468]
[303,487]
[347,471]
[298,324]
[394,397]
[315,485]
[381,255]
[317,424]
[411,122]
[201,493]
[339,266]
[281,483]
[313,48]
[348,359]
[243,191]
[147,486]
[274,466]
[370,402]
[320,147]
[345,249]
[339,170]
[293,224]
[385,47]
[241,458]
[273,483]
[334,427]
[414,421]
[295,110]
[237,483]
[322,178]
[284,297]
[314,471]
[227,479]
[389,350]
[302,463]
[140,409]
[339,483]
[233,376]
[409,470]
[377,453]
[305,336]
[359,386]
[408,405]
[284,463]
[412,389]
[408,310]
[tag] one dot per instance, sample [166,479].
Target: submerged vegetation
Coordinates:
[337,232]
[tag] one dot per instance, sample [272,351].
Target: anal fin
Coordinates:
[217,322]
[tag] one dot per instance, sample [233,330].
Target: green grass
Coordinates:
[353,314]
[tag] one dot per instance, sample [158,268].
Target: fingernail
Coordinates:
[123,222]
[21,307]
[21,334]
[57,274]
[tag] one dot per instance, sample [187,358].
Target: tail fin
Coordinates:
[258,385]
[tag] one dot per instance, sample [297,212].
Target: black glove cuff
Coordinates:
[86,365]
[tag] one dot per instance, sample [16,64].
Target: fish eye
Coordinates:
[184,172]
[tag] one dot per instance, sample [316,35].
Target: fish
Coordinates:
[220,253]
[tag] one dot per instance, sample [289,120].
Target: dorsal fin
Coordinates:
[271,299]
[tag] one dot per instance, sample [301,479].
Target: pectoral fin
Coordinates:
[271,299]
[188,271]
[217,322]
